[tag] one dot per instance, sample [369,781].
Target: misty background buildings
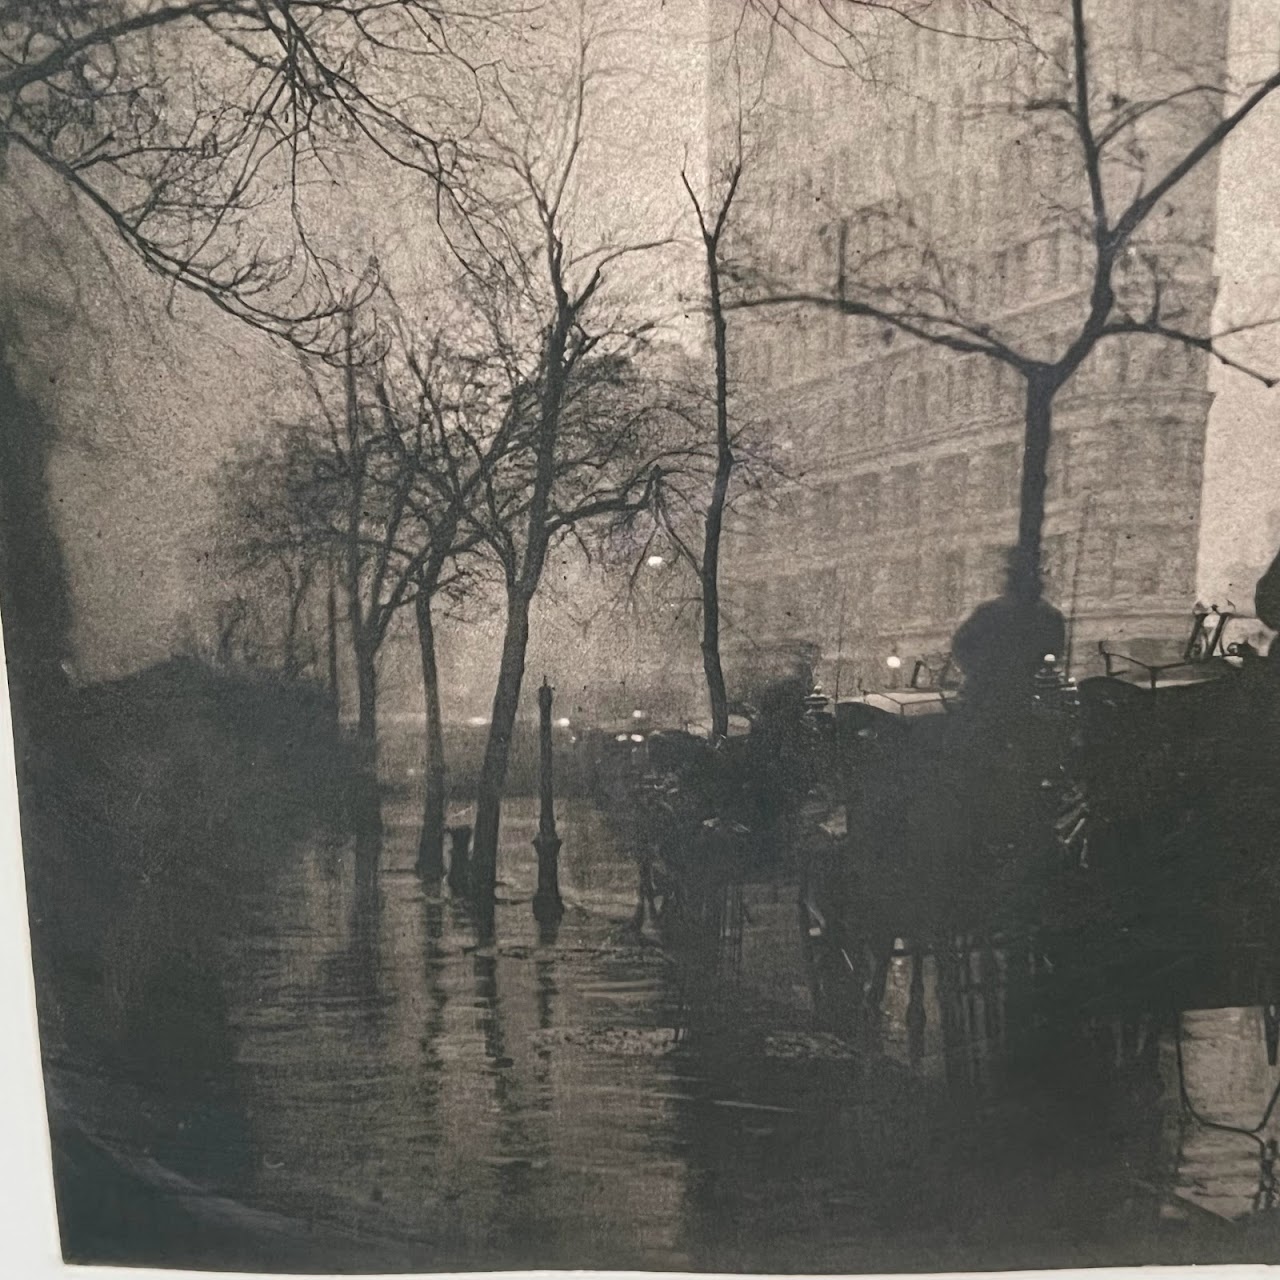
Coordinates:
[901,461]
[910,499]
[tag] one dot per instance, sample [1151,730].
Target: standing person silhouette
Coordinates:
[1266,606]
[1004,642]
[999,748]
[1266,596]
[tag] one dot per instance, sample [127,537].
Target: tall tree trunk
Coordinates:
[712,667]
[431,842]
[331,622]
[1035,459]
[297,596]
[367,710]
[493,773]
[710,569]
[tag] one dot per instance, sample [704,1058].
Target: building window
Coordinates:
[870,408]
[974,200]
[958,107]
[1056,569]
[1097,567]
[951,485]
[896,400]
[930,131]
[962,387]
[764,360]
[864,501]
[951,600]
[1162,364]
[828,510]
[920,401]
[1001,479]
[1053,260]
[1149,39]
[924,210]
[907,496]
[1139,561]
[1092,469]
[884,577]
[984,573]
[1180,456]
[1117,366]
[1061,457]
[1018,282]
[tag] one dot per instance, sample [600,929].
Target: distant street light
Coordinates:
[637,714]
[655,562]
[478,720]
[893,662]
[563,722]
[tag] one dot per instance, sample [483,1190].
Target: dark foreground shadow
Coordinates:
[150,809]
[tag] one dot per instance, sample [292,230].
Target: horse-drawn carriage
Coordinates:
[1122,824]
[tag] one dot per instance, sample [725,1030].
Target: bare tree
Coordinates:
[196,127]
[586,456]
[267,542]
[539,283]
[340,490]
[1130,286]
[460,436]
[712,225]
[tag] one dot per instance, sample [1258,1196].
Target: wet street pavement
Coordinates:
[585,1100]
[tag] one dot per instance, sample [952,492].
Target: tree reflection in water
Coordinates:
[517,1098]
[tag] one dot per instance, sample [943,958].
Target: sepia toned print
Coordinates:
[640,632]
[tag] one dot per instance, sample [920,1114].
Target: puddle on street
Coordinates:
[580,1101]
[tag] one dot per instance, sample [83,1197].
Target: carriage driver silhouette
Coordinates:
[1004,642]
[1266,605]
[998,749]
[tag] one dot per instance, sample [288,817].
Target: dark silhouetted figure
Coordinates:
[1266,607]
[1266,596]
[1003,643]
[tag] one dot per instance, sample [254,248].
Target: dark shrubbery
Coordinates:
[147,804]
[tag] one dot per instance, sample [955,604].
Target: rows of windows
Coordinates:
[1165,457]
[937,586]
[922,585]
[946,490]
[911,396]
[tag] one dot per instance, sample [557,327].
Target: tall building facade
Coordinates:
[936,172]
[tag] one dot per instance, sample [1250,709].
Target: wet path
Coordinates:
[580,1101]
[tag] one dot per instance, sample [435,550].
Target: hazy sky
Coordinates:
[147,404]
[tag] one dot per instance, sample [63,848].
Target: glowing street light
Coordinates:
[637,714]
[893,662]
[655,562]
[563,722]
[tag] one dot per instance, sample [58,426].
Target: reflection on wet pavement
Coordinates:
[581,1100]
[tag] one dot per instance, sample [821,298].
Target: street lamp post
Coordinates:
[894,663]
[547,904]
